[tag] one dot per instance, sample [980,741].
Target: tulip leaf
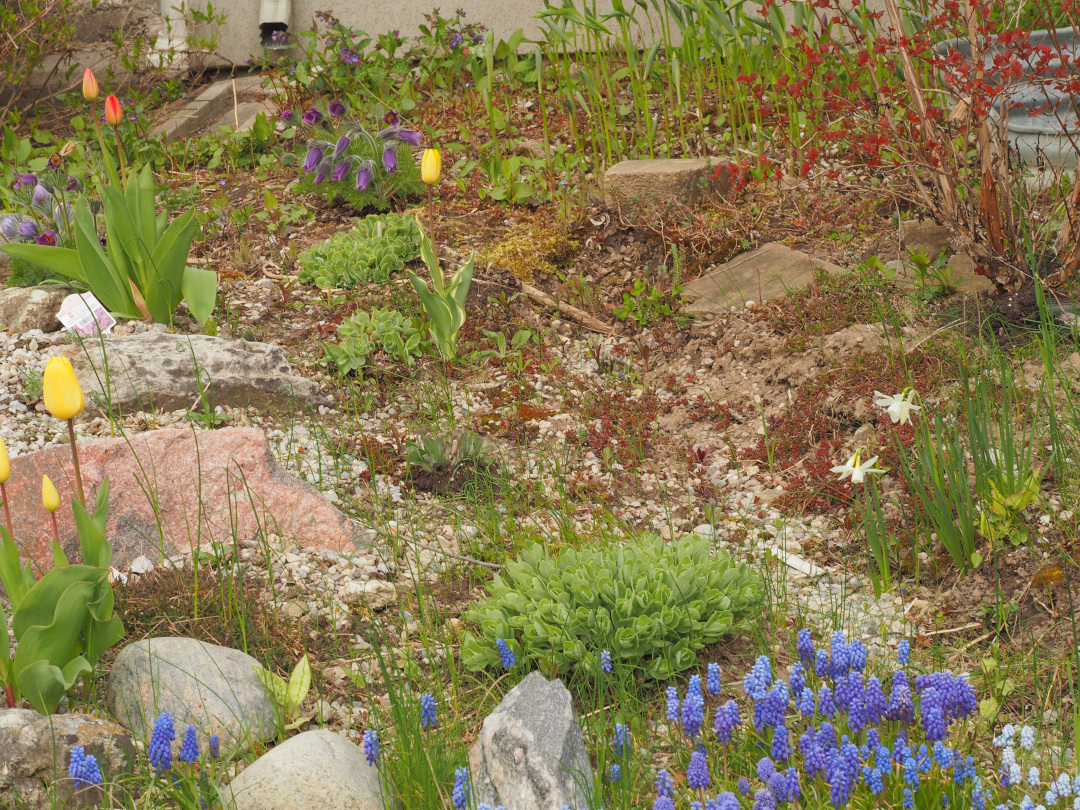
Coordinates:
[200,292]
[64,261]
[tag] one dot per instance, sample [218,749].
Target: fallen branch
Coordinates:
[573,313]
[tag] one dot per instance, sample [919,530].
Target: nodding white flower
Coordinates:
[116,575]
[899,406]
[857,469]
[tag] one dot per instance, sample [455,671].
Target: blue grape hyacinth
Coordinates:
[605,660]
[215,746]
[371,746]
[427,711]
[697,772]
[83,768]
[460,796]
[712,680]
[161,740]
[506,654]
[189,748]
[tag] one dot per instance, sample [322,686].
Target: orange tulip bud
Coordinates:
[114,112]
[89,85]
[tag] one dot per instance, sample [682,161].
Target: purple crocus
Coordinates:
[312,116]
[341,145]
[389,159]
[47,238]
[27,229]
[336,108]
[25,180]
[340,170]
[363,177]
[313,158]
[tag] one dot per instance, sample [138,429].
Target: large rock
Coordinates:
[214,688]
[531,752]
[207,485]
[154,371]
[927,236]
[35,753]
[316,770]
[26,308]
[641,190]
[758,275]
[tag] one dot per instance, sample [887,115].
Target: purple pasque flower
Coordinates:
[313,157]
[323,172]
[286,115]
[363,176]
[72,184]
[340,170]
[312,116]
[409,136]
[25,180]
[392,118]
[27,229]
[47,238]
[389,159]
[340,147]
[9,228]
[63,213]
[41,195]
[336,108]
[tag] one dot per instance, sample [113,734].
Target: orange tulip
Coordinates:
[114,112]
[89,85]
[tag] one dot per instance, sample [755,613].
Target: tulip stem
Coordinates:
[431,210]
[123,177]
[9,692]
[7,510]
[55,528]
[75,458]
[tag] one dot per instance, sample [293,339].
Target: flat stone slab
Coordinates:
[644,189]
[315,770]
[207,484]
[155,371]
[26,308]
[212,107]
[758,275]
[216,689]
[927,236]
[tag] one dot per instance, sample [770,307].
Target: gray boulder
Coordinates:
[316,770]
[643,190]
[35,752]
[531,752]
[213,688]
[155,371]
[26,308]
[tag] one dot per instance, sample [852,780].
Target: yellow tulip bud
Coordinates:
[49,496]
[64,397]
[431,167]
[89,85]
[5,464]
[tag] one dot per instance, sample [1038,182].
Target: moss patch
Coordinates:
[530,250]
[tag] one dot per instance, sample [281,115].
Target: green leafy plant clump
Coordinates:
[436,453]
[365,332]
[653,605]
[374,250]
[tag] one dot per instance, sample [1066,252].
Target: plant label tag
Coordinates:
[86,315]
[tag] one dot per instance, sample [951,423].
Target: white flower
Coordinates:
[115,575]
[856,469]
[899,406]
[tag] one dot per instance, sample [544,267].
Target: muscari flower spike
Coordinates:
[605,660]
[161,740]
[460,795]
[215,746]
[427,711]
[371,746]
[83,769]
[189,748]
[506,654]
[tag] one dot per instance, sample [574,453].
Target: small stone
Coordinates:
[315,770]
[23,309]
[374,593]
[142,565]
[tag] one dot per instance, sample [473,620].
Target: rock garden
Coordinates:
[677,410]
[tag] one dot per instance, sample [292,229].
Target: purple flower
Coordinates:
[27,229]
[103,241]
[350,56]
[341,145]
[693,711]
[389,160]
[371,746]
[806,702]
[363,178]
[9,227]
[712,680]
[697,773]
[312,116]
[313,158]
[903,651]
[726,721]
[215,746]
[189,748]
[392,118]
[826,706]
[46,238]
[336,108]
[619,740]
[83,769]
[506,654]
[427,711]
[756,682]
[781,744]
[340,171]
[605,660]
[285,115]
[41,195]
[672,704]
[72,184]
[743,786]
[663,783]
[25,180]
[409,136]
[161,739]
[455,40]
[460,795]
[323,172]
[901,706]
[764,800]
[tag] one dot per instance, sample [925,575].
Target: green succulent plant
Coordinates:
[374,250]
[365,332]
[653,605]
[435,453]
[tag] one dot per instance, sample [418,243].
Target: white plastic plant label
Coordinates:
[86,315]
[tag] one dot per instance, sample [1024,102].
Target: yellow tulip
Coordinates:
[5,464]
[89,85]
[431,167]
[49,496]
[64,398]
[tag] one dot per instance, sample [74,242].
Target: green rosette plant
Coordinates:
[651,604]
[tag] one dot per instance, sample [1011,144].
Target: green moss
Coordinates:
[530,250]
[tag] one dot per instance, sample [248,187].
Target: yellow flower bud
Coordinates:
[64,397]
[431,166]
[5,464]
[49,496]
